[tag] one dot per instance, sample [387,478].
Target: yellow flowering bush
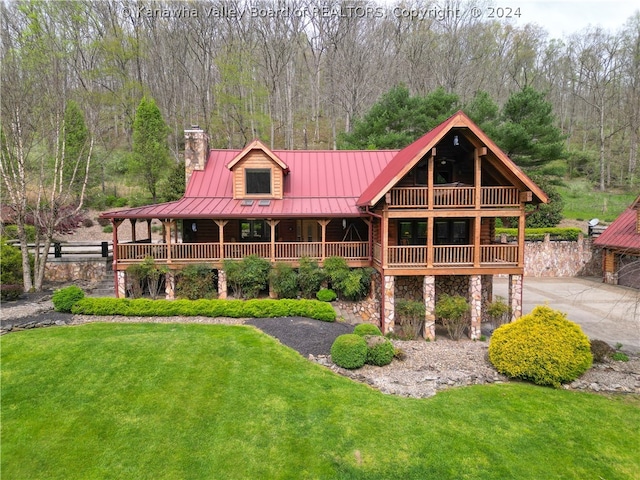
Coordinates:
[543,347]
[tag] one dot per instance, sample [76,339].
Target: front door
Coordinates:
[309,231]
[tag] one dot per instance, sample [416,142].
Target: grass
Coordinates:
[583,202]
[161,401]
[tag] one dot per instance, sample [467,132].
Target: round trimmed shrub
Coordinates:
[349,351]
[326,295]
[65,298]
[363,329]
[380,350]
[543,347]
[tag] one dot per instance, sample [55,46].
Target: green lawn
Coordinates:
[156,401]
[583,202]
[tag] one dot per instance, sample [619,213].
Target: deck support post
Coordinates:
[388,315]
[515,296]
[429,296]
[133,229]
[116,224]
[221,224]
[121,284]
[323,229]
[222,284]
[475,297]
[170,285]
[273,224]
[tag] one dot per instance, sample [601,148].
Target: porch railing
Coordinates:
[448,256]
[500,254]
[446,197]
[453,255]
[208,252]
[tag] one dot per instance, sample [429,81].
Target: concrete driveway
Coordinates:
[605,312]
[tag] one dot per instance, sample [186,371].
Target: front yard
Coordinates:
[211,401]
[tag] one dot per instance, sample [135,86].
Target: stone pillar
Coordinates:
[475,299]
[170,285]
[122,284]
[222,284]
[429,296]
[515,296]
[388,316]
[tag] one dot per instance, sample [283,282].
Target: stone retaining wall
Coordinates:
[562,259]
[61,270]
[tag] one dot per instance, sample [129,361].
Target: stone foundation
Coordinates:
[452,285]
[562,258]
[409,288]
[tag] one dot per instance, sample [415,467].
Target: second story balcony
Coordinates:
[453,196]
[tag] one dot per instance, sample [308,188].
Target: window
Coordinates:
[412,232]
[451,232]
[255,231]
[258,181]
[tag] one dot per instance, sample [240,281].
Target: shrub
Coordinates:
[363,329]
[601,350]
[356,284]
[11,232]
[498,312]
[135,280]
[248,276]
[349,351]
[107,229]
[284,280]
[380,350]
[336,269]
[87,222]
[326,295]
[209,308]
[154,276]
[543,347]
[452,310]
[310,277]
[103,222]
[410,317]
[195,282]
[10,292]
[65,298]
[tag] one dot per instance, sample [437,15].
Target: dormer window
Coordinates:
[258,181]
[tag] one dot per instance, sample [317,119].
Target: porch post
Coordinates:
[273,224]
[221,224]
[388,315]
[149,229]
[430,222]
[370,237]
[323,228]
[521,225]
[515,296]
[384,238]
[475,295]
[114,267]
[167,228]
[429,295]
[430,169]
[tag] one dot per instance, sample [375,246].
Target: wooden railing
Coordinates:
[499,254]
[500,197]
[453,196]
[409,197]
[208,252]
[453,255]
[445,197]
[377,253]
[407,256]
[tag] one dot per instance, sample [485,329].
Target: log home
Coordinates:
[423,216]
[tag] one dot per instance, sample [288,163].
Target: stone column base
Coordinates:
[429,296]
[475,297]
[388,316]
[222,284]
[170,285]
[515,296]
[122,284]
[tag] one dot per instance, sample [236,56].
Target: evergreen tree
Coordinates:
[150,158]
[76,140]
[484,112]
[398,119]
[527,132]
[173,187]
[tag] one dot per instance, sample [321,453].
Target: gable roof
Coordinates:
[622,233]
[323,183]
[410,155]
[258,145]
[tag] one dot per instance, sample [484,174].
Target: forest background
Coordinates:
[302,74]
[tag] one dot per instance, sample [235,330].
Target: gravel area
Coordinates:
[427,367]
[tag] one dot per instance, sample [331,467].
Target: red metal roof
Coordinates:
[320,183]
[622,234]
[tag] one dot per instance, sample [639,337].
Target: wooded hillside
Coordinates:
[296,74]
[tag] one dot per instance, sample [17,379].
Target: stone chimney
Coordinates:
[196,150]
